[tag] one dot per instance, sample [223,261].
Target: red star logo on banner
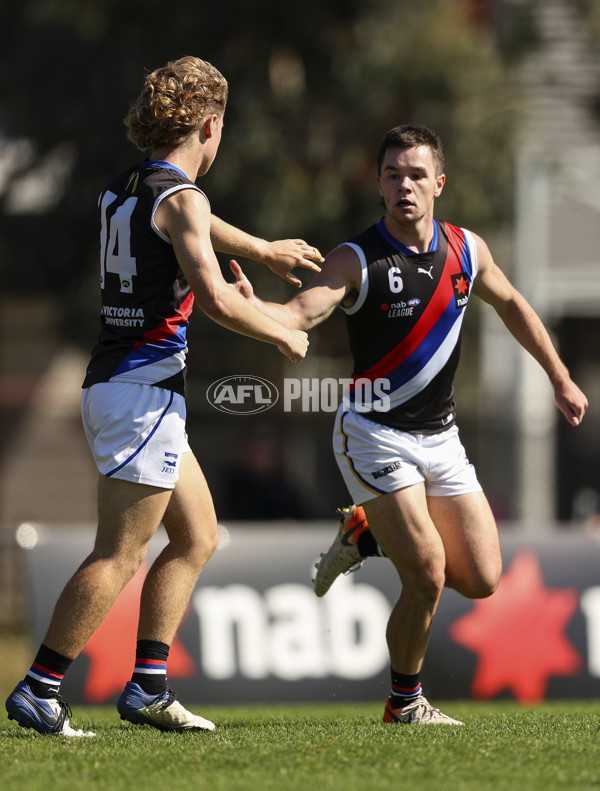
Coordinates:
[111,650]
[519,634]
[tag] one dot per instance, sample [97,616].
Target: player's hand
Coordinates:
[241,283]
[285,254]
[296,346]
[571,401]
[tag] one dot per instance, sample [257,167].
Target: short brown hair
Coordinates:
[410,137]
[174,101]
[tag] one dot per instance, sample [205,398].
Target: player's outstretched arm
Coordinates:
[185,217]
[337,282]
[524,323]
[280,256]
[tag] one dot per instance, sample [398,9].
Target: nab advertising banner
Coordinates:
[255,631]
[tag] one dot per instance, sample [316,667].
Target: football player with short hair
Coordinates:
[404,284]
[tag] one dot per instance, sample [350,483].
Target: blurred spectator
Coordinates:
[586,509]
[256,485]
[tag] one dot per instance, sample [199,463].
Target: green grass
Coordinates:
[338,747]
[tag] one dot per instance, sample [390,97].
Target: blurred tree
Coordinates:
[590,10]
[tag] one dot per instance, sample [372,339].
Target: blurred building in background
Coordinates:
[555,471]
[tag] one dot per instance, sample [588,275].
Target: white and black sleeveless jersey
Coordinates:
[146,300]
[404,328]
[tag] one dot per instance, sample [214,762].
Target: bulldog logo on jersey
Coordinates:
[462,285]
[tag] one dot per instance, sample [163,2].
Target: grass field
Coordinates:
[320,747]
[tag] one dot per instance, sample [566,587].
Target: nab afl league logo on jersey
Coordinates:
[461,284]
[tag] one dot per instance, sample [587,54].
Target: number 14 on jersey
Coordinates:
[115,242]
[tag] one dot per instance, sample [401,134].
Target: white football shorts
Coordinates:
[375,459]
[136,432]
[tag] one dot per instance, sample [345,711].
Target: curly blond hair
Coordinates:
[175,100]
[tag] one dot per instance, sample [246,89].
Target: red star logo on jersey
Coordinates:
[111,650]
[519,635]
[461,285]
[385,306]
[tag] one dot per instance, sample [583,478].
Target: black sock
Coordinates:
[367,546]
[47,672]
[405,689]
[150,671]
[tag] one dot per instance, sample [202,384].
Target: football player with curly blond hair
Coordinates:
[157,260]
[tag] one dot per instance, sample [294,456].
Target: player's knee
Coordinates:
[434,584]
[210,541]
[489,585]
[199,545]
[478,584]
[131,561]
[480,590]
[425,586]
[492,578]
[123,564]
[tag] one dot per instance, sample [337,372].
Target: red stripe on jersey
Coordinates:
[436,307]
[170,325]
[456,240]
